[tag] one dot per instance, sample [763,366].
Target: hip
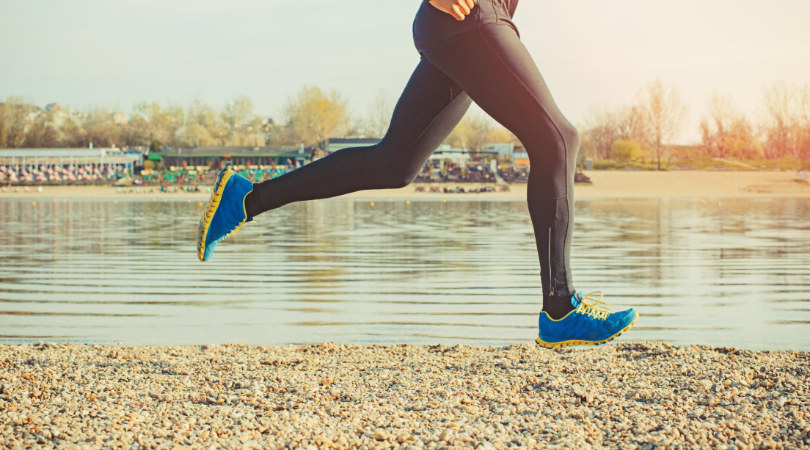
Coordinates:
[433,28]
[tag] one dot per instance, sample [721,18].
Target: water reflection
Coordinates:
[720,273]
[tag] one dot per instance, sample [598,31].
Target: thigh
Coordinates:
[430,106]
[499,74]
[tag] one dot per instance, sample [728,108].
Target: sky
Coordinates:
[592,53]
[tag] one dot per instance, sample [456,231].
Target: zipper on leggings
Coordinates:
[550,265]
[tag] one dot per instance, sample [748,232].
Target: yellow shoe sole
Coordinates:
[210,210]
[563,344]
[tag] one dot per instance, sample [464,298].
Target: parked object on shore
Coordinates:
[581,178]
[801,176]
[125,181]
[518,174]
[457,189]
[462,190]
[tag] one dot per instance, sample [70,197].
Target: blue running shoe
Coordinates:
[225,212]
[589,323]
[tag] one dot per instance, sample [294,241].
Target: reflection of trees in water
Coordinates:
[660,241]
[403,270]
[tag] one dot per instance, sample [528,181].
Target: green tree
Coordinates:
[101,129]
[15,120]
[626,150]
[474,130]
[314,116]
[195,135]
[159,123]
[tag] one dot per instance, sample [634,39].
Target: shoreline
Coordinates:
[606,185]
[402,396]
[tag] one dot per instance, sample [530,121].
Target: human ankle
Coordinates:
[557,306]
[253,204]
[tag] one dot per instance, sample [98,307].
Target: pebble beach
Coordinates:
[634,395]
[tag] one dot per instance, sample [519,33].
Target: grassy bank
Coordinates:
[787,163]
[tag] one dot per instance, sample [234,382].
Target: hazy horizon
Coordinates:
[591,53]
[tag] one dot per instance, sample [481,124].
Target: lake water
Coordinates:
[735,273]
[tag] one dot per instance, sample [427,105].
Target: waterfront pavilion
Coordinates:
[216,157]
[46,165]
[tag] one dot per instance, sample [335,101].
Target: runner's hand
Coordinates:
[456,8]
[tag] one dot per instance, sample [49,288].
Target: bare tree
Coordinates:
[784,125]
[726,132]
[804,121]
[379,114]
[715,126]
[3,124]
[601,131]
[664,115]
[41,132]
[101,129]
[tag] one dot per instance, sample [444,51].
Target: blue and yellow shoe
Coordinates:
[225,212]
[588,324]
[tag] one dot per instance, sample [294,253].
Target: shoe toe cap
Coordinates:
[209,251]
[623,318]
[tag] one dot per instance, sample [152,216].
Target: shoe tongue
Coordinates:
[576,299]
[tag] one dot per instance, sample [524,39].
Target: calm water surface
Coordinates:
[723,274]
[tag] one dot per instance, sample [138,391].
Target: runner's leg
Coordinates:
[498,73]
[427,111]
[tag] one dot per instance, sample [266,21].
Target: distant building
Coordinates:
[240,156]
[499,149]
[28,159]
[447,153]
[53,107]
[120,118]
[334,144]
[520,160]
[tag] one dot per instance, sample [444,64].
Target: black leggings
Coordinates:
[492,67]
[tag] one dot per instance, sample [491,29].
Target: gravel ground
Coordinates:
[639,395]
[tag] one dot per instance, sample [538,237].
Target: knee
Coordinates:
[392,174]
[571,140]
[388,168]
[554,148]
[399,177]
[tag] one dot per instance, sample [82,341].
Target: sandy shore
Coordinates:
[337,396]
[606,185]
